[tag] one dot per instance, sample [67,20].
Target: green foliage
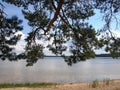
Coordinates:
[30,85]
[33,53]
[114,47]
[8,37]
[95,84]
[63,23]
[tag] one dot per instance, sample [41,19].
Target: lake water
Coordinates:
[55,70]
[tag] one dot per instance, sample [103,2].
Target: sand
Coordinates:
[110,85]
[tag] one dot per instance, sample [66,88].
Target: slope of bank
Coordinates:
[95,85]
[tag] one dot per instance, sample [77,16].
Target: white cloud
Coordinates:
[23,36]
[47,52]
[21,44]
[19,47]
[116,33]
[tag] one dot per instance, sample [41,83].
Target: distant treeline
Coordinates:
[97,55]
[103,55]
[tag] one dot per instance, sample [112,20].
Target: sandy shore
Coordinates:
[106,85]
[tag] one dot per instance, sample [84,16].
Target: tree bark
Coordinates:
[55,15]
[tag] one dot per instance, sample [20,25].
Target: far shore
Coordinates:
[95,85]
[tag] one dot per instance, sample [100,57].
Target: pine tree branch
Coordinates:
[55,15]
[65,22]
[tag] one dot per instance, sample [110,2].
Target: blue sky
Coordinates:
[95,21]
[11,10]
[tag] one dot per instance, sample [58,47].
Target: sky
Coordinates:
[95,21]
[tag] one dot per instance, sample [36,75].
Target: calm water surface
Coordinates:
[55,70]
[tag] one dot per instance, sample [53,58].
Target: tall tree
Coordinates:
[8,37]
[66,21]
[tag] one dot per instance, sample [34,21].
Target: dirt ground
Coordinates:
[110,85]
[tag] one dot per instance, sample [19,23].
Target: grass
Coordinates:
[107,81]
[32,85]
[95,84]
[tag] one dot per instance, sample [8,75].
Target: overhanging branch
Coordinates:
[65,22]
[55,15]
